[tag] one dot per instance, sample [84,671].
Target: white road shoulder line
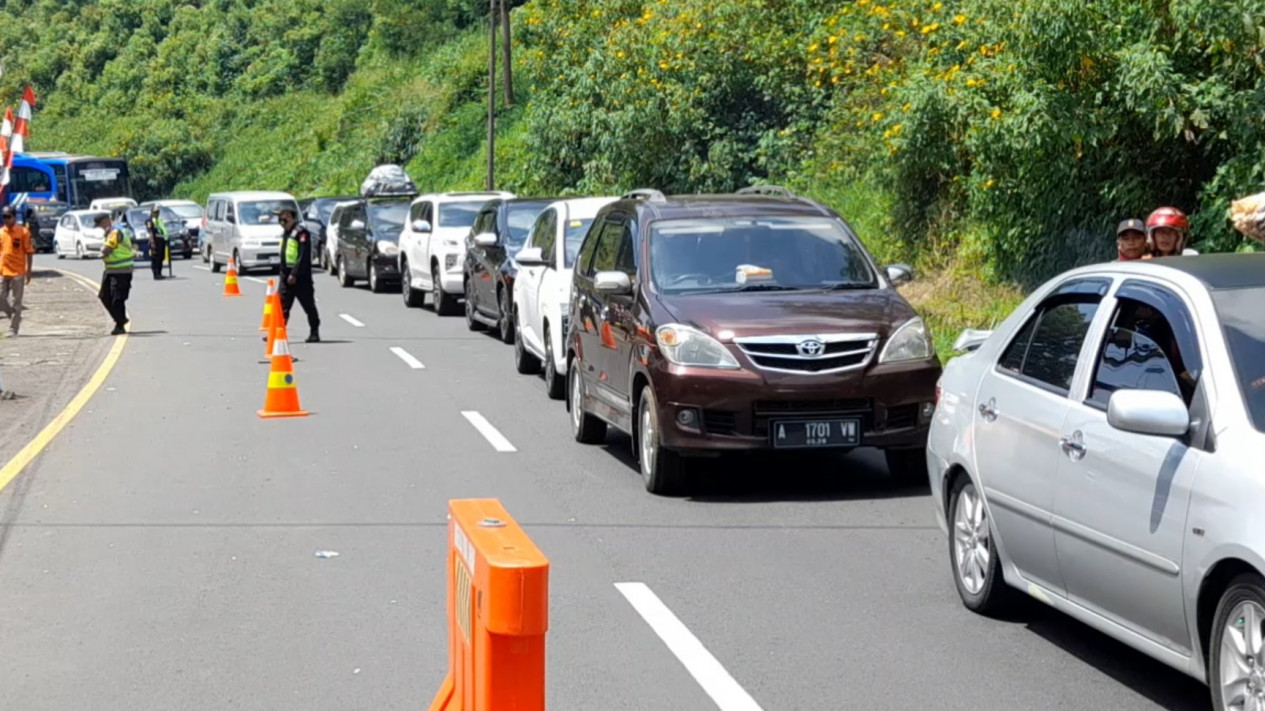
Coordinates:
[205,269]
[349,319]
[490,433]
[699,662]
[407,357]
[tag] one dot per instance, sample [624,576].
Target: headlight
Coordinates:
[451,243]
[683,345]
[388,248]
[910,342]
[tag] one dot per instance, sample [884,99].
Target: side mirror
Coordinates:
[970,339]
[421,226]
[1148,412]
[357,224]
[899,274]
[485,239]
[530,257]
[617,283]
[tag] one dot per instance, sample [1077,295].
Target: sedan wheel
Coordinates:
[524,362]
[976,568]
[471,323]
[78,250]
[1237,673]
[504,325]
[662,470]
[441,301]
[553,384]
[585,428]
[344,280]
[412,297]
[375,281]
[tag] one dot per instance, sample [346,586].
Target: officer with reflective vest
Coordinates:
[118,254]
[296,270]
[157,230]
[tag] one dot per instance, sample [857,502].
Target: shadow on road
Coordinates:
[146,333]
[766,477]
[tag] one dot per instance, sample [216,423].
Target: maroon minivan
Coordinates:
[702,324]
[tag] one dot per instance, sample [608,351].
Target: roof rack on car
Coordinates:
[648,194]
[766,190]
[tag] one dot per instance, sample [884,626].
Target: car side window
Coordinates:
[1046,349]
[415,212]
[606,254]
[1146,349]
[626,261]
[584,263]
[545,235]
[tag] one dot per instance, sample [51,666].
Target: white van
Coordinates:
[241,225]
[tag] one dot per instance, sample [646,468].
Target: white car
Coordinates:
[433,247]
[331,236]
[542,288]
[77,234]
[1101,452]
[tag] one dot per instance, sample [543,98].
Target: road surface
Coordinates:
[160,553]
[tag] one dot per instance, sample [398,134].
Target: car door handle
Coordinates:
[988,411]
[1072,446]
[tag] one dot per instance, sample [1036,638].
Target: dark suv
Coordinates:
[369,241]
[710,323]
[499,231]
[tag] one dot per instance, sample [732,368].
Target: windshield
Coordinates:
[458,214]
[259,212]
[386,219]
[184,212]
[325,208]
[782,253]
[97,180]
[89,221]
[576,229]
[522,215]
[1245,336]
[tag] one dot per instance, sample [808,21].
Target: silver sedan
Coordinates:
[1103,451]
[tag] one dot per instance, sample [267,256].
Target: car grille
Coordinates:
[810,353]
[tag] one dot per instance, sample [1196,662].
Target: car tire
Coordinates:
[662,470]
[505,324]
[585,428]
[555,386]
[187,255]
[344,280]
[979,582]
[206,255]
[237,261]
[331,266]
[907,467]
[443,302]
[79,250]
[1241,605]
[375,279]
[412,297]
[524,362]
[215,265]
[471,323]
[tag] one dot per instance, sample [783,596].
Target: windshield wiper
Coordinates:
[850,285]
[765,287]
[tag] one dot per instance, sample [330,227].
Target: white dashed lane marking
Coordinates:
[407,357]
[490,433]
[350,319]
[205,269]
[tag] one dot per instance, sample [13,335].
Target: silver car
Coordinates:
[1103,450]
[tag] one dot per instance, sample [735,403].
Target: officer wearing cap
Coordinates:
[116,285]
[157,230]
[1131,240]
[296,270]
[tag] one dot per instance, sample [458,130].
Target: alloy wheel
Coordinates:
[577,397]
[972,544]
[648,439]
[1242,662]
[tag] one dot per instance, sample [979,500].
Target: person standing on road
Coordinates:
[1131,240]
[296,271]
[116,284]
[157,242]
[17,254]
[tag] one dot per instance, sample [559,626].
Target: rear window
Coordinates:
[459,214]
[260,212]
[521,217]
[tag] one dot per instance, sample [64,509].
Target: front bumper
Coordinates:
[388,266]
[736,410]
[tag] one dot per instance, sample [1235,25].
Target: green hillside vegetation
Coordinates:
[985,141]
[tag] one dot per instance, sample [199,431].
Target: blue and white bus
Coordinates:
[75,180]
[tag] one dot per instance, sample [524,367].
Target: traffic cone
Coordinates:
[266,323]
[277,320]
[230,280]
[282,398]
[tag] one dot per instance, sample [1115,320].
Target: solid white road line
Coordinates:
[407,357]
[205,269]
[699,662]
[348,318]
[490,433]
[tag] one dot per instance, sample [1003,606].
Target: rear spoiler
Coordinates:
[970,340]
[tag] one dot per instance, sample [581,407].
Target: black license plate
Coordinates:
[801,434]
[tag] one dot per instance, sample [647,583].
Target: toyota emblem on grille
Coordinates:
[810,348]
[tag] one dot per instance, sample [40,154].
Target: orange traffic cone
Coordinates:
[277,320]
[266,323]
[282,399]
[230,280]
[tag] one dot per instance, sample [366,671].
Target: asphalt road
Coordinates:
[160,553]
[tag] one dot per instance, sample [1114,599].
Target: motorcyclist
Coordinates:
[1167,231]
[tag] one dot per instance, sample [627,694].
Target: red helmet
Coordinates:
[1168,217]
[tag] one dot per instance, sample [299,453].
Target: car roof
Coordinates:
[253,195]
[585,206]
[332,198]
[1220,271]
[724,205]
[87,212]
[464,196]
[169,202]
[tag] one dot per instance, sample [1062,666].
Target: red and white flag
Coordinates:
[22,129]
[6,132]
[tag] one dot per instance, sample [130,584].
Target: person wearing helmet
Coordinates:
[1167,230]
[1130,240]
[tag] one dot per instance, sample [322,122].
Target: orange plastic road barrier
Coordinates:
[282,398]
[230,280]
[266,323]
[276,320]
[498,612]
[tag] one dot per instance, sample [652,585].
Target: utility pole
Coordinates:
[491,95]
[507,53]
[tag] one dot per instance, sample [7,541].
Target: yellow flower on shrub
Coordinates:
[959,19]
[996,114]
[877,117]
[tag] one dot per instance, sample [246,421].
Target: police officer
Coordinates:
[296,270]
[119,255]
[157,230]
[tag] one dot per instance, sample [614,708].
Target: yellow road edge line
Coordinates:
[37,445]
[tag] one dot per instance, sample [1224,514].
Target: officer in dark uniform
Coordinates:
[296,270]
[157,242]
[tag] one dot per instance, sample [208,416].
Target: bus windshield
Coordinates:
[92,180]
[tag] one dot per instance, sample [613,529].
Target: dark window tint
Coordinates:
[1012,358]
[589,247]
[545,234]
[1056,341]
[1240,313]
[29,180]
[1142,333]
[609,241]
[519,218]
[1132,361]
[626,262]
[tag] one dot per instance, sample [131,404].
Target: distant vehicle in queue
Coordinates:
[179,241]
[183,219]
[542,288]
[317,212]
[77,235]
[1100,451]
[704,324]
[242,226]
[132,222]
[432,247]
[497,234]
[330,250]
[369,242]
